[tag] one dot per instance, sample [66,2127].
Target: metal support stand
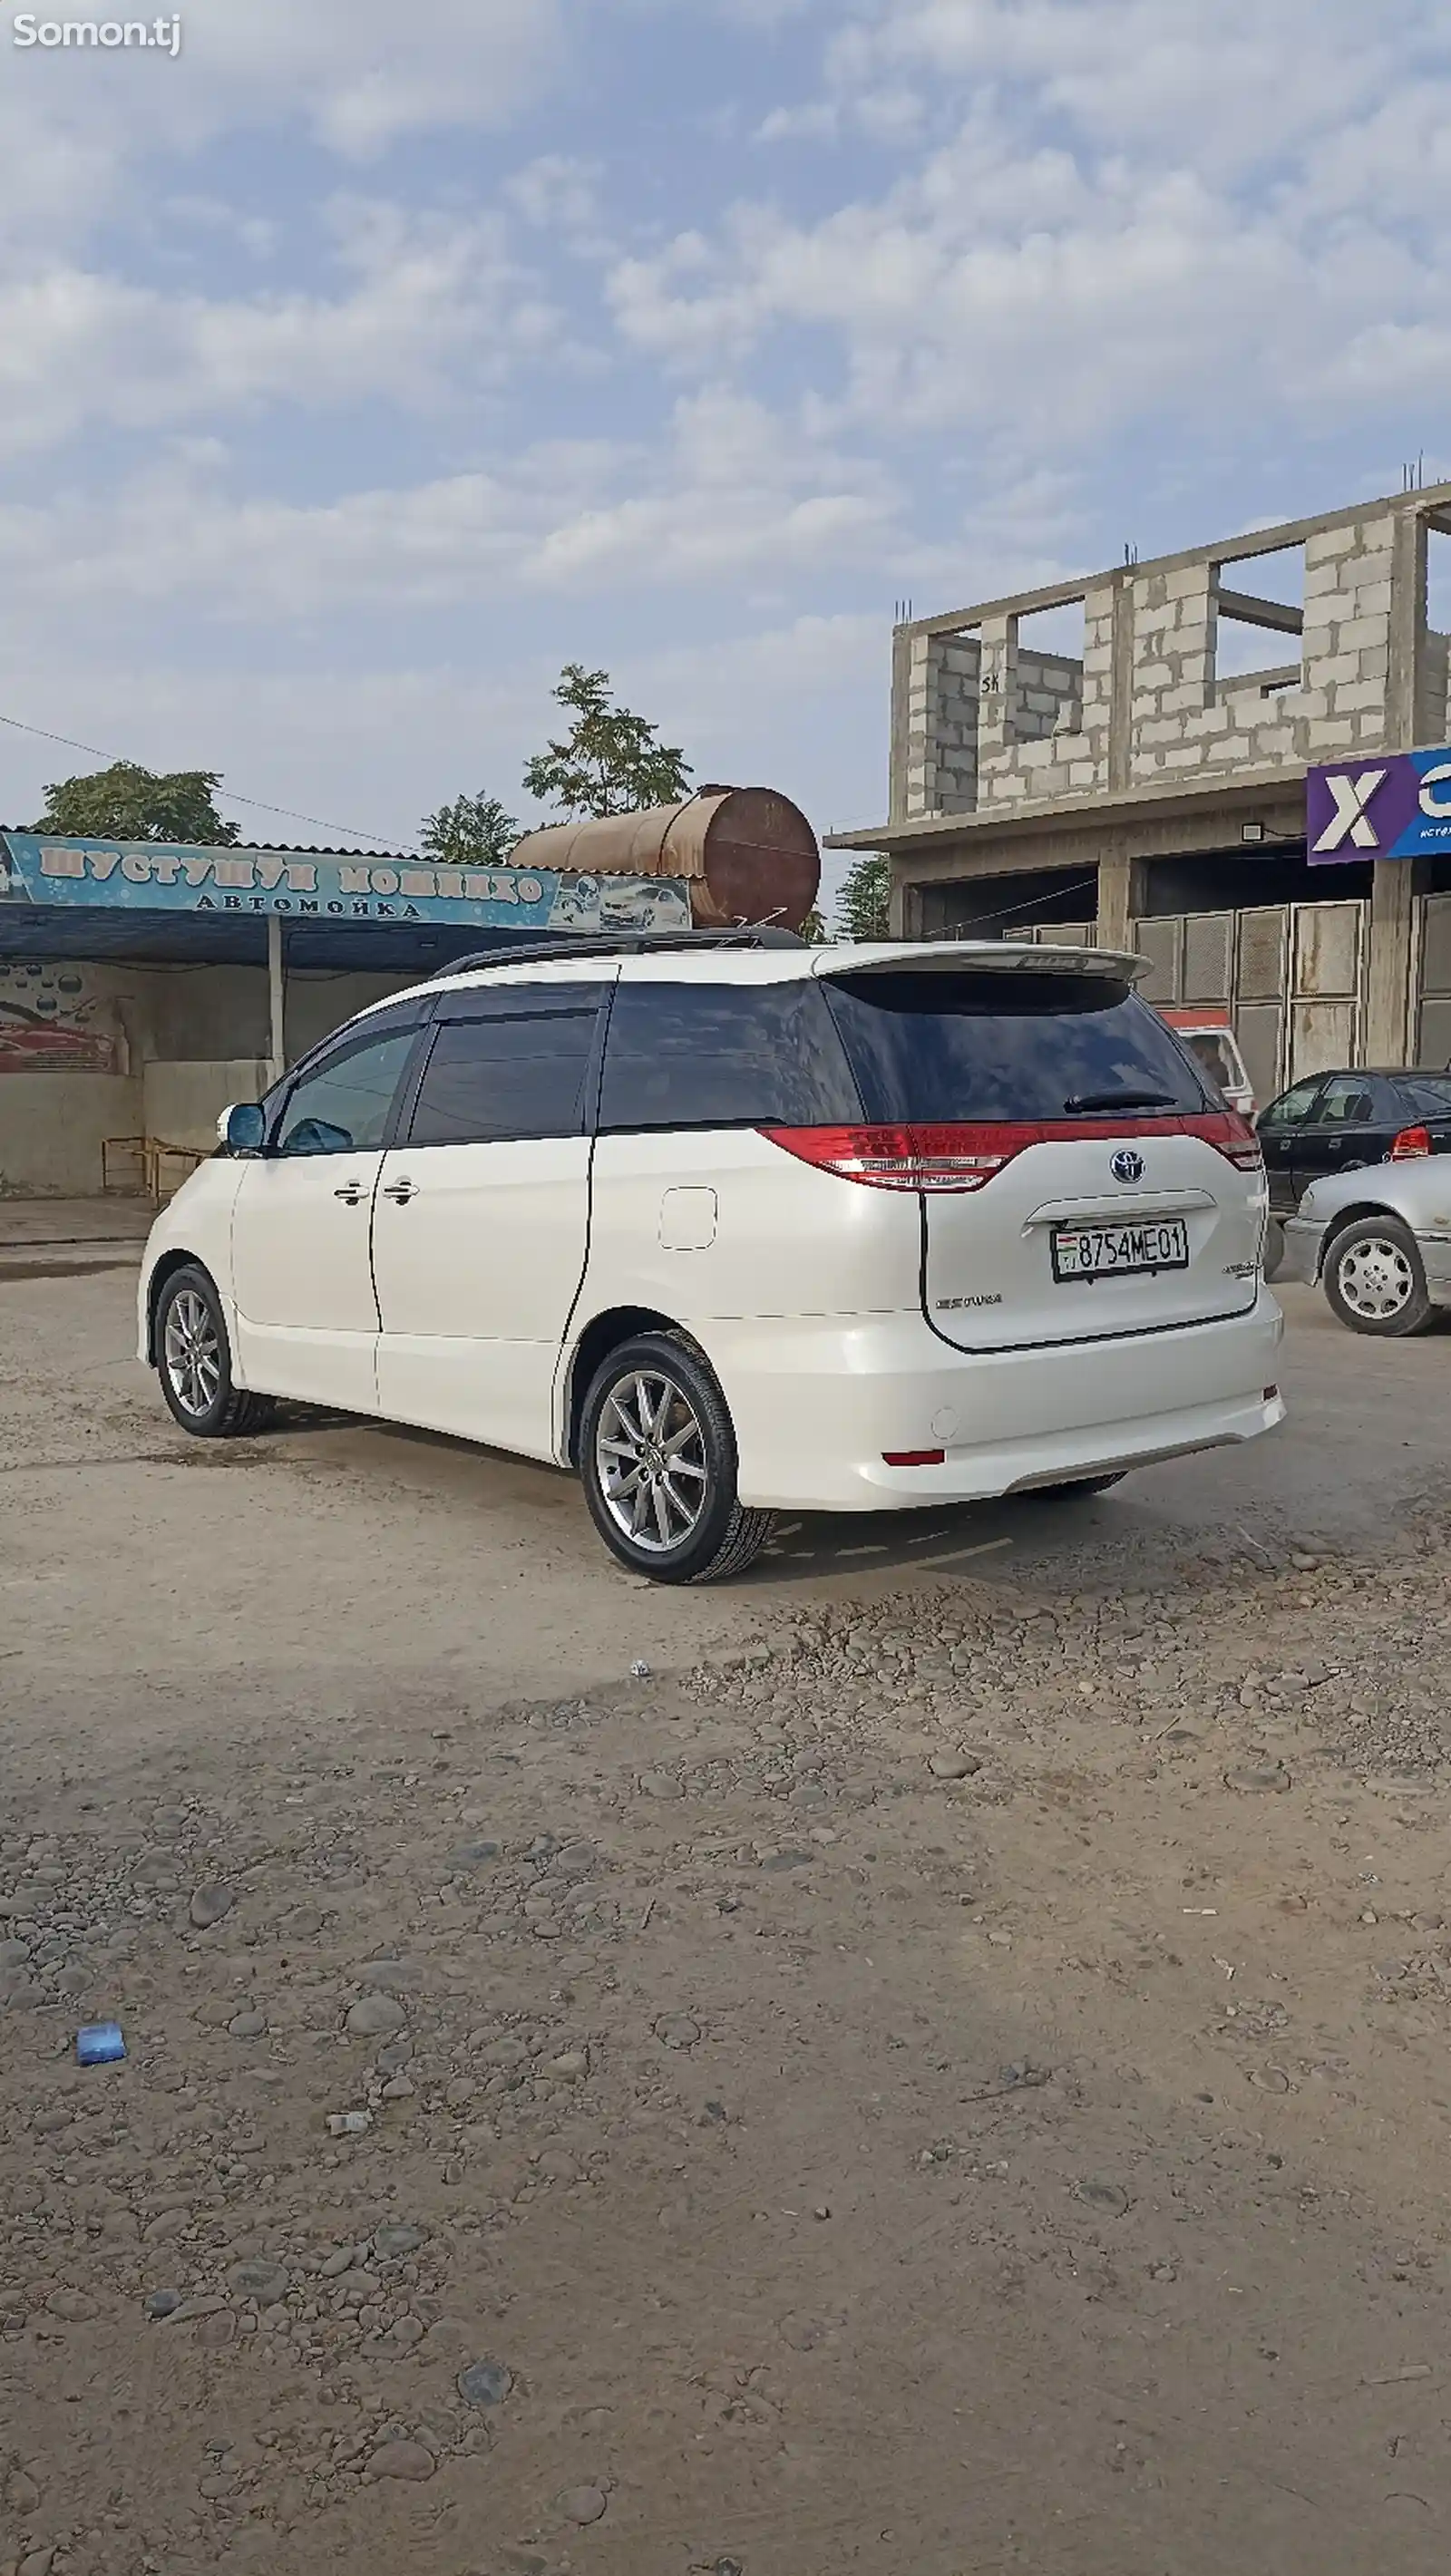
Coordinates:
[276,1000]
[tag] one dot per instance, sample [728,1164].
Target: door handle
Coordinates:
[353,1195]
[400,1192]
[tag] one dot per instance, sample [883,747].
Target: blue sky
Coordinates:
[367,362]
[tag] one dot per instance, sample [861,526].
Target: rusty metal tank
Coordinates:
[746,853]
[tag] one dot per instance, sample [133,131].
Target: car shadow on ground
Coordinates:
[803,1547]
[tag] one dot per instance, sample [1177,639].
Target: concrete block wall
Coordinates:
[992,725]
[955,673]
[989,721]
[954,719]
[1182,720]
[1175,622]
[1045,730]
[1047,696]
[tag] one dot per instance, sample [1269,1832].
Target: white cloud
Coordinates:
[428,306]
[356,73]
[818,120]
[558,192]
[1221,86]
[1125,212]
[739,498]
[367,751]
[744,495]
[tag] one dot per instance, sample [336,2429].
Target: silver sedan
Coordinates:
[1379,1242]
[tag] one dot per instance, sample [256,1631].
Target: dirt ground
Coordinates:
[946,2072]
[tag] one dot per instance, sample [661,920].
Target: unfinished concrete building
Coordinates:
[1137,783]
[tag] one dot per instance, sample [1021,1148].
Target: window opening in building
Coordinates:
[1050,673]
[1260,634]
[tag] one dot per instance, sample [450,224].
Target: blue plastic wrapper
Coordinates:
[100,2044]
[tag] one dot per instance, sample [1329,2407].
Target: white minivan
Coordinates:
[734,1226]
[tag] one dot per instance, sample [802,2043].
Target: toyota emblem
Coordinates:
[1127,1165]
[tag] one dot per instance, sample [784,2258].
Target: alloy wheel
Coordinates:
[192,1352]
[651,1461]
[1375,1278]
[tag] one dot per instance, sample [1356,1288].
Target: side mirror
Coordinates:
[243,1128]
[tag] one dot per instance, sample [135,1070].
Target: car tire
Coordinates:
[658,1463]
[194,1362]
[1074,1488]
[1375,1280]
[1274,1247]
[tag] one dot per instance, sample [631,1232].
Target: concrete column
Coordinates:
[1120,898]
[276,1000]
[1121,682]
[899,800]
[1387,1034]
[999,685]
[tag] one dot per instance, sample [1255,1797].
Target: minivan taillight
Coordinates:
[1411,1144]
[906,1158]
[966,1154]
[1232,1135]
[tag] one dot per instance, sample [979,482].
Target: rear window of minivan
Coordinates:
[940,1045]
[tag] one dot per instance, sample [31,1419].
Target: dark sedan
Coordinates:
[1337,1122]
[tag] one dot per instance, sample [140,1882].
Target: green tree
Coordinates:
[866,897]
[814,930]
[127,803]
[610,762]
[472,832]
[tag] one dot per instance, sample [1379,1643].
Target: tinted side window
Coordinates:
[502,1076]
[941,1045]
[724,1055]
[1426,1096]
[344,1107]
[1293,1107]
[1351,1100]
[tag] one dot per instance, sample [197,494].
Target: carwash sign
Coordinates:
[1390,805]
[150,876]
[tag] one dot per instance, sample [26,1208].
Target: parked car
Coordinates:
[1344,1121]
[736,1228]
[1378,1240]
[1208,1036]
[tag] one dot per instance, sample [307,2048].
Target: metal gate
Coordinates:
[1291,977]
[1259,1014]
[1433,981]
[1327,942]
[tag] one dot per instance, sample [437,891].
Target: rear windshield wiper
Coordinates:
[1120,1100]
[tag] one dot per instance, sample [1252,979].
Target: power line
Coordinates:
[349,831]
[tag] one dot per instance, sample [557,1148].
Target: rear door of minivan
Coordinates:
[1077,1183]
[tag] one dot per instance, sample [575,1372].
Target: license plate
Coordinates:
[1108,1251]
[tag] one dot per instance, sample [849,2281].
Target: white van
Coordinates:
[1208,1036]
[735,1226]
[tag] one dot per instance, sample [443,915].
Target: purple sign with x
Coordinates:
[1386,805]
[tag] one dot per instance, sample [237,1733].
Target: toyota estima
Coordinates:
[736,1226]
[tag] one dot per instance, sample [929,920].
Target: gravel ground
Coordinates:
[947,2075]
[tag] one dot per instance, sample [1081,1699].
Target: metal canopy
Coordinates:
[221,939]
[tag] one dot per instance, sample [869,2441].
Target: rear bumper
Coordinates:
[817,1402]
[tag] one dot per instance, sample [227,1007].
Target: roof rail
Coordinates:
[628,943]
